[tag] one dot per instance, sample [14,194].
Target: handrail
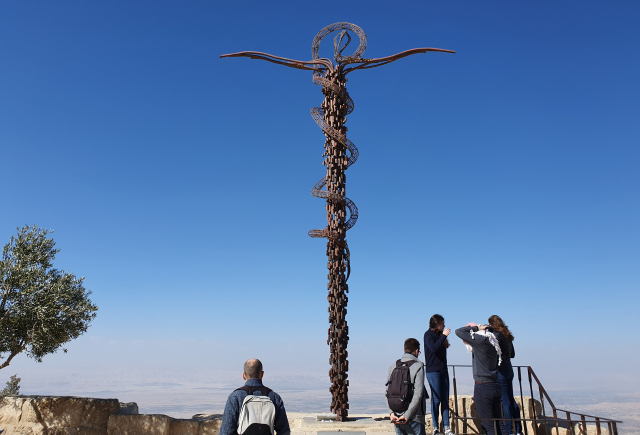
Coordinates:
[539,385]
[531,419]
[543,419]
[586,415]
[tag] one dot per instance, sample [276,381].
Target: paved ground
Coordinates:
[307,424]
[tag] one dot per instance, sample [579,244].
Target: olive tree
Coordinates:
[12,388]
[42,308]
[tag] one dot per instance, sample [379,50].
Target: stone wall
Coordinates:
[158,424]
[50,415]
[467,408]
[44,415]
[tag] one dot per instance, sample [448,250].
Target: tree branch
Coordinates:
[13,355]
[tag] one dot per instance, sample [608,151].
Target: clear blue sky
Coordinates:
[502,179]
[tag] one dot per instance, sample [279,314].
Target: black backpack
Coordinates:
[400,387]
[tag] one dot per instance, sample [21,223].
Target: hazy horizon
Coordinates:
[201,374]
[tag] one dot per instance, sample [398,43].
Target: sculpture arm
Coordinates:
[372,63]
[312,65]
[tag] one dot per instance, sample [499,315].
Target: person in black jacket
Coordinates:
[505,373]
[435,356]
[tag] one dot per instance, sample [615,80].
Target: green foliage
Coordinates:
[42,308]
[12,388]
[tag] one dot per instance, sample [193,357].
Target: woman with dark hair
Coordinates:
[505,373]
[435,367]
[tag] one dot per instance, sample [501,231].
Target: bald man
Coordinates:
[253,374]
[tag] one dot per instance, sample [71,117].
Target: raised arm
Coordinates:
[465,334]
[432,343]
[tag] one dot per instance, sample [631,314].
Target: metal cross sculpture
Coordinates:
[339,154]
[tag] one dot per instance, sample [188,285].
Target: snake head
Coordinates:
[337,42]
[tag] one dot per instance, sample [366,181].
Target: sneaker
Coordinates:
[435,432]
[448,432]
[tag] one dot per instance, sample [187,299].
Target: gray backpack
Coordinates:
[257,414]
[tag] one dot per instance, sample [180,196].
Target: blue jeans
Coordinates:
[410,428]
[509,406]
[439,383]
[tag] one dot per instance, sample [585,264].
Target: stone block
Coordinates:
[47,415]
[158,424]
[184,427]
[130,408]
[148,424]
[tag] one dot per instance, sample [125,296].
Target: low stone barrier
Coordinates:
[159,424]
[59,415]
[467,408]
[49,415]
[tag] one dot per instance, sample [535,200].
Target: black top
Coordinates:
[435,354]
[506,347]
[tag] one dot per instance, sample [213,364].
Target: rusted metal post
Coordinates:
[339,154]
[522,408]
[533,403]
[455,402]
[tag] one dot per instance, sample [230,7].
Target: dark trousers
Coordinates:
[439,383]
[509,406]
[486,397]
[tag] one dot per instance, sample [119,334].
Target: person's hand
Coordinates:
[393,418]
[401,420]
[482,327]
[447,331]
[471,324]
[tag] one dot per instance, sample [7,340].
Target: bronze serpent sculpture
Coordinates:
[340,153]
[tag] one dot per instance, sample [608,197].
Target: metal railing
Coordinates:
[538,421]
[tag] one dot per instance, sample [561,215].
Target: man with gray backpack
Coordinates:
[254,409]
[406,395]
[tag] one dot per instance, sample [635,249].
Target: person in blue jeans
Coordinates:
[435,368]
[510,408]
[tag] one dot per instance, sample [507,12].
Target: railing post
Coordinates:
[584,426]
[533,403]
[615,428]
[555,416]
[455,400]
[570,424]
[544,412]
[598,426]
[522,403]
